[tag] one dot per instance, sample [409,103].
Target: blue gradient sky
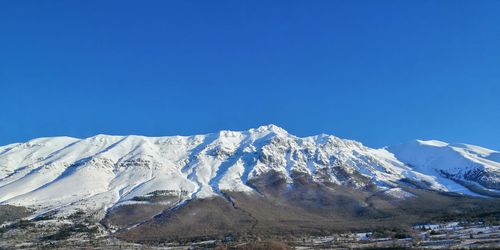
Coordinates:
[381,72]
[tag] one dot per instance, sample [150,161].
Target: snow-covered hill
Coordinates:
[105,171]
[472,166]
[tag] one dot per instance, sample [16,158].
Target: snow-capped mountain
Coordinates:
[103,171]
[455,165]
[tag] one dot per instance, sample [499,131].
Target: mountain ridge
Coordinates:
[104,171]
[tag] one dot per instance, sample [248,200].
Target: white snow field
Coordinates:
[103,171]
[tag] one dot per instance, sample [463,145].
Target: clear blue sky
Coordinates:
[381,72]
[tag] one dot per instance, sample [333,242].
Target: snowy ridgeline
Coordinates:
[104,171]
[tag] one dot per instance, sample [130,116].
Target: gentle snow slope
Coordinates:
[460,162]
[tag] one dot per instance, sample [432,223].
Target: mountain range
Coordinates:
[240,181]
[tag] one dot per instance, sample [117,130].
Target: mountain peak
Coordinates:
[270,128]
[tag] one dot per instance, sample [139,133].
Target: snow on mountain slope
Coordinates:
[458,162]
[103,171]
